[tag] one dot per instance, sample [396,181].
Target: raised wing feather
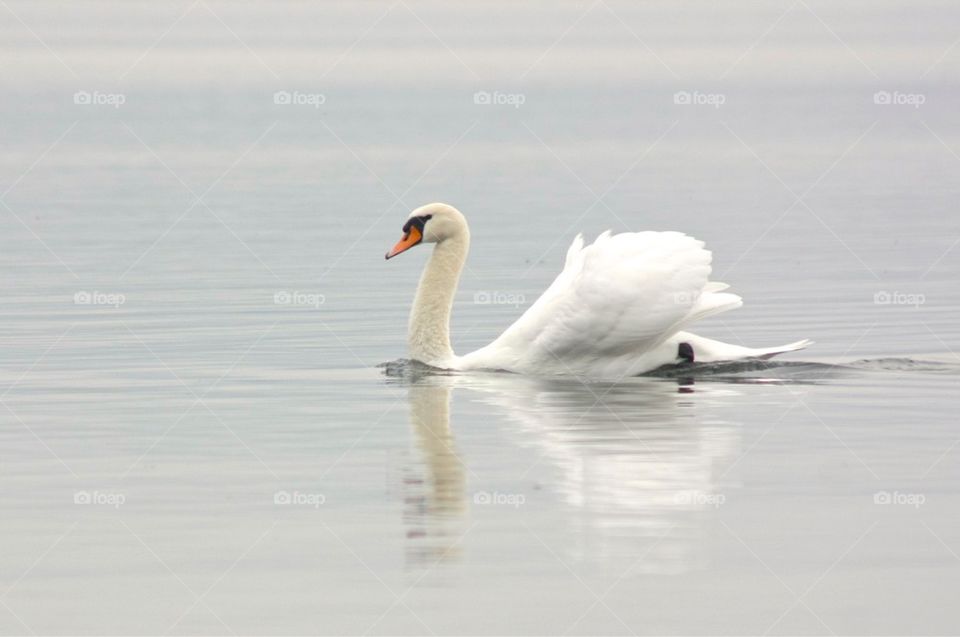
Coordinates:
[619,297]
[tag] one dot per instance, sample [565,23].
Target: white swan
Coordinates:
[617,308]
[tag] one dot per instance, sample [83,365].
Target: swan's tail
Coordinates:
[789,347]
[707,350]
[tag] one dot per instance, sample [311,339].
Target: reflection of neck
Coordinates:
[429,329]
[430,417]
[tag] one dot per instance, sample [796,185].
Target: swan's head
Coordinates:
[433,223]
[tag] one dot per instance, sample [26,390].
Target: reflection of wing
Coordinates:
[615,299]
[634,466]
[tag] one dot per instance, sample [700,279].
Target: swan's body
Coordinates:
[618,307]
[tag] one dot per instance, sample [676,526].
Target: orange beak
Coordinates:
[409,240]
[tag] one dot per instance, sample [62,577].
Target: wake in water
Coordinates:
[752,370]
[743,371]
[906,365]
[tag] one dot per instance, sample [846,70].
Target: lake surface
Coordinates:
[196,432]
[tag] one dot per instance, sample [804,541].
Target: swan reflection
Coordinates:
[630,464]
[434,503]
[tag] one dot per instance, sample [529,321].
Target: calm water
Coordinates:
[195,434]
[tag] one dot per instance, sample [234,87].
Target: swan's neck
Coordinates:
[429,329]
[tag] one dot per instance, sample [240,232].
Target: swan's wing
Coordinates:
[615,299]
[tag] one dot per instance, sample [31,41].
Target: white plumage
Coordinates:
[618,307]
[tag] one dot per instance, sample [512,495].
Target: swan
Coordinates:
[618,308]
